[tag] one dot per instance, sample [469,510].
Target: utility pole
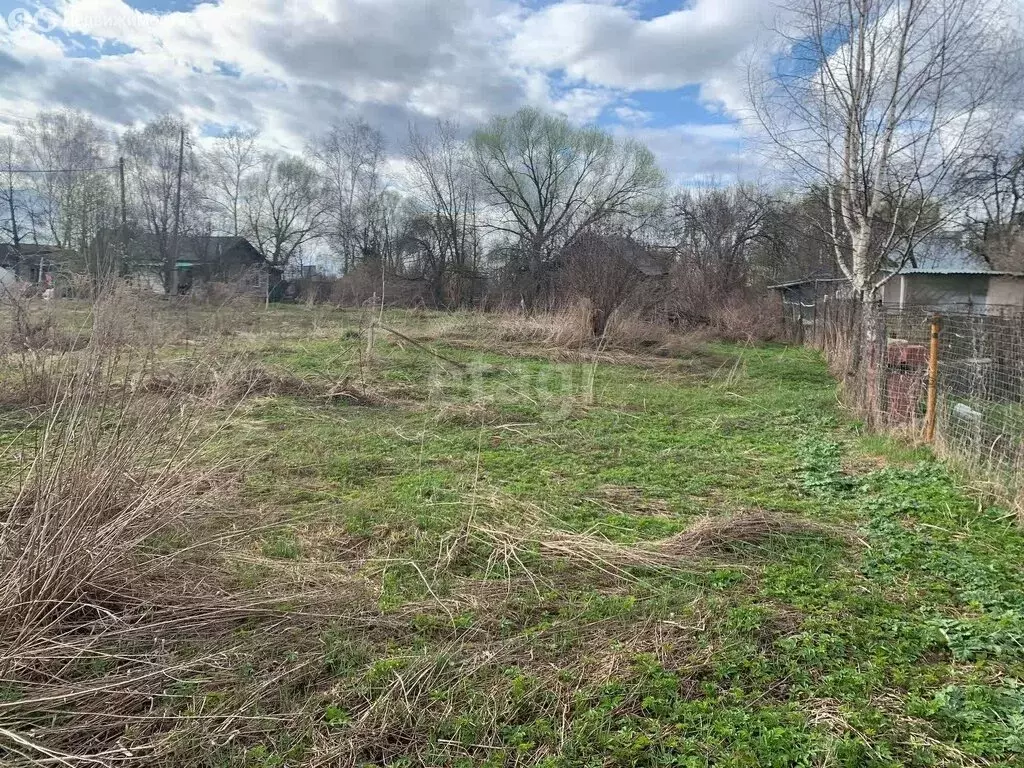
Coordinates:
[172,277]
[15,238]
[124,214]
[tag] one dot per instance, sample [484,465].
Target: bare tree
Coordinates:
[992,189]
[877,102]
[547,181]
[70,182]
[717,229]
[445,227]
[284,206]
[350,158]
[11,195]
[165,191]
[606,269]
[229,164]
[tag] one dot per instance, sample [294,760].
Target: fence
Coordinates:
[976,367]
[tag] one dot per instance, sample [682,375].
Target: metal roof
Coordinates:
[807,281]
[954,271]
[909,272]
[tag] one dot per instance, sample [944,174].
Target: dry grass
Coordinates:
[566,335]
[218,381]
[114,588]
[94,593]
[708,541]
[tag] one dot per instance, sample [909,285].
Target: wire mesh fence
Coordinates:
[975,368]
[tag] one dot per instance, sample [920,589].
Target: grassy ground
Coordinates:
[564,558]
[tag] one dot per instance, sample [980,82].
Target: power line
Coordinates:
[59,170]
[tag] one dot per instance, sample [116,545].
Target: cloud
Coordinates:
[291,68]
[612,45]
[695,153]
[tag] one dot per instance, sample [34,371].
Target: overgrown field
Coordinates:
[296,536]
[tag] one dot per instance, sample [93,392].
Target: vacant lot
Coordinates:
[301,537]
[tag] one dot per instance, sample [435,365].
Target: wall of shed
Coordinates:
[1006,291]
[945,291]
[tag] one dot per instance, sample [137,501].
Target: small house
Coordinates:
[927,288]
[202,260]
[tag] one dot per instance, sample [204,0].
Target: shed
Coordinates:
[800,298]
[976,290]
[32,262]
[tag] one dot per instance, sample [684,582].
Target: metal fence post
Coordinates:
[933,382]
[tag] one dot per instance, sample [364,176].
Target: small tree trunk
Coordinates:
[873,333]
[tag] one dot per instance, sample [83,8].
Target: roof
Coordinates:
[909,271]
[644,260]
[29,249]
[955,271]
[806,281]
[197,248]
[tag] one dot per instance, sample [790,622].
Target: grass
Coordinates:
[490,552]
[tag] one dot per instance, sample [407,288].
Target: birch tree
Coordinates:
[350,158]
[164,188]
[71,180]
[877,102]
[12,211]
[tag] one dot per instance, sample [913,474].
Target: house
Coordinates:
[204,259]
[31,262]
[8,285]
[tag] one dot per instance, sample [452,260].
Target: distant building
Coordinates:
[203,259]
[941,274]
[801,298]
[31,262]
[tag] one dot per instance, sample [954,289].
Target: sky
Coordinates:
[669,73]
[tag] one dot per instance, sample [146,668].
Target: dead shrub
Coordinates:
[94,592]
[33,326]
[727,310]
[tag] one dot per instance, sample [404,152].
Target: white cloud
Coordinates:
[696,153]
[291,67]
[611,45]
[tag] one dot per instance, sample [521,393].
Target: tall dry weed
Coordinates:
[104,574]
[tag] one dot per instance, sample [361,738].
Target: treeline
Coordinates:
[500,210]
[528,210]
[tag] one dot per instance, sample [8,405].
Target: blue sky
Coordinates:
[666,72]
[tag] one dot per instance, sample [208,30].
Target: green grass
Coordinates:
[903,645]
[460,518]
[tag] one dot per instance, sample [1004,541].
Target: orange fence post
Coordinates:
[933,382]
